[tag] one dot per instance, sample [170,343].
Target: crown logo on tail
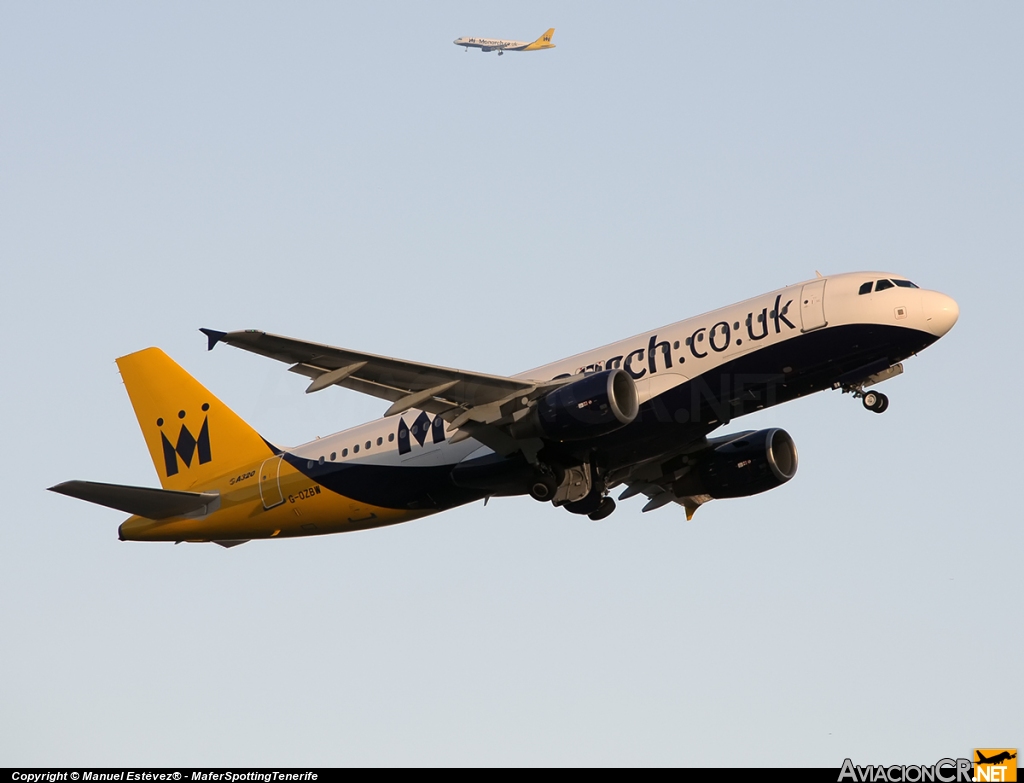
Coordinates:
[187,446]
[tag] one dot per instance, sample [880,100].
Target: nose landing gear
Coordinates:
[876,402]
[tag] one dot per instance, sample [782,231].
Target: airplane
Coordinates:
[502,46]
[996,759]
[635,414]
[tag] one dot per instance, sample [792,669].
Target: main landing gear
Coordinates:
[576,488]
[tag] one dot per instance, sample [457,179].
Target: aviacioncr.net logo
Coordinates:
[942,771]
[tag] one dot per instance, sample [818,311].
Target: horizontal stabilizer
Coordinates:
[213,337]
[141,501]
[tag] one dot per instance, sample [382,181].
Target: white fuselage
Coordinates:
[490,44]
[636,412]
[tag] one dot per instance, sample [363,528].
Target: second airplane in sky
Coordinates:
[501,46]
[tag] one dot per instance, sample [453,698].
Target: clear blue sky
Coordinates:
[345,174]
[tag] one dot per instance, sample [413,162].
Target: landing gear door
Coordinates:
[270,482]
[812,306]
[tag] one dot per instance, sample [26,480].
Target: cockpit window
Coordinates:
[865,289]
[904,284]
[881,285]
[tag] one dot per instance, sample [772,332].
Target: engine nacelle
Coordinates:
[590,407]
[748,465]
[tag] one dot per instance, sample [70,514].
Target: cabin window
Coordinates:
[321,460]
[904,284]
[334,456]
[391,437]
[881,285]
[368,444]
[355,449]
[865,289]
[380,441]
[344,452]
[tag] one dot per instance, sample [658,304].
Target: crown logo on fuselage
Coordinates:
[187,445]
[420,428]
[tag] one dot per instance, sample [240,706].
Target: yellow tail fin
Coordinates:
[192,436]
[544,42]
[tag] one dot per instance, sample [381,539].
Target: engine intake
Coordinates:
[752,463]
[590,407]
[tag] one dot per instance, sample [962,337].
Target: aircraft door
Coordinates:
[812,306]
[270,482]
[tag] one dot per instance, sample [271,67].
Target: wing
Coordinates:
[480,405]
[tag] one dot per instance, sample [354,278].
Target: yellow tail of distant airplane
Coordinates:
[544,42]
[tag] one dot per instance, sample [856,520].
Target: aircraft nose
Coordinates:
[941,312]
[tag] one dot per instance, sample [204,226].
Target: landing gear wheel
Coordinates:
[604,510]
[591,504]
[543,488]
[875,402]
